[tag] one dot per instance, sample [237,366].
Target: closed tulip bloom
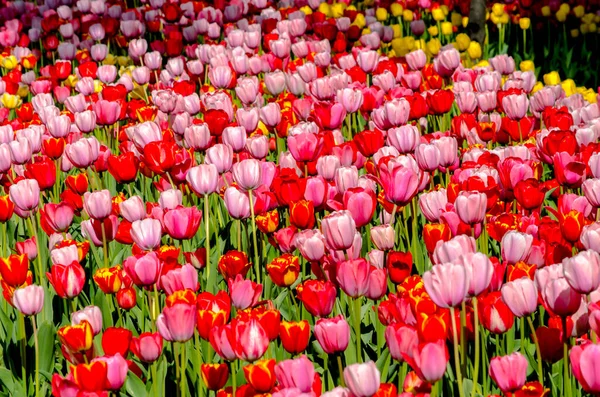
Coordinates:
[339,229]
[244,293]
[433,203]
[447,251]
[405,138]
[401,340]
[311,244]
[91,314]
[317,296]
[133,209]
[431,360]
[521,296]
[146,233]
[203,179]
[116,370]
[251,340]
[400,183]
[383,236]
[98,205]
[58,216]
[67,280]
[143,269]
[182,223]
[333,334]
[170,199]
[416,60]
[363,380]
[221,156]
[305,146]
[235,137]
[180,279]
[367,60]
[515,246]
[479,271]
[85,121]
[585,361]
[29,300]
[177,323]
[509,372]
[515,106]
[296,373]
[147,347]
[247,174]
[351,99]
[561,298]
[591,190]
[237,203]
[361,203]
[590,237]
[582,271]
[25,194]
[428,157]
[446,284]
[471,207]
[353,277]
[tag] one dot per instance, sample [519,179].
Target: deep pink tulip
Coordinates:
[222,340]
[91,314]
[582,271]
[515,246]
[401,340]
[251,339]
[509,372]
[431,360]
[353,277]
[400,183]
[470,207]
[59,216]
[107,112]
[182,223]
[520,296]
[561,298]
[146,233]
[446,284]
[29,300]
[180,279]
[116,370]
[177,323]
[296,373]
[363,380]
[479,271]
[244,293]
[25,194]
[305,147]
[147,347]
[333,334]
[361,203]
[144,269]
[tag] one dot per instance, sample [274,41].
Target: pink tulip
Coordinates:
[28,247]
[25,194]
[305,147]
[351,99]
[487,100]
[91,314]
[252,340]
[270,114]
[116,370]
[203,179]
[582,271]
[431,360]
[247,174]
[584,364]
[404,138]
[235,137]
[448,147]
[520,296]
[170,199]
[148,347]
[182,223]
[353,277]
[432,204]
[509,372]
[428,157]
[29,300]
[446,284]
[222,340]
[59,216]
[416,60]
[471,206]
[447,251]
[98,204]
[132,209]
[339,229]
[446,62]
[258,146]
[244,293]
[515,106]
[107,112]
[237,203]
[146,233]
[561,298]
[367,60]
[311,244]
[333,334]
[383,236]
[479,271]
[197,136]
[177,323]
[590,237]
[144,269]
[361,204]
[296,373]
[180,279]
[591,190]
[515,246]
[363,380]
[84,152]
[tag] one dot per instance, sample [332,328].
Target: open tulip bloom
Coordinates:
[299,198]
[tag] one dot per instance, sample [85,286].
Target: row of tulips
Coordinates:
[251,198]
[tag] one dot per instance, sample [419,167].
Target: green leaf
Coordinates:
[7,379]
[134,386]
[46,343]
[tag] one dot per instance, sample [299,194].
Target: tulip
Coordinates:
[584,363]
[180,279]
[479,270]
[400,183]
[311,244]
[116,370]
[14,269]
[67,280]
[98,205]
[296,373]
[214,376]
[132,209]
[471,207]
[116,341]
[92,315]
[509,372]
[447,284]
[430,360]
[332,334]
[363,380]
[295,335]
[317,296]
[247,174]
[76,338]
[29,300]
[182,223]
[177,323]
[261,375]
[251,340]
[25,194]
[561,298]
[339,229]
[401,340]
[244,293]
[237,203]
[353,277]
[383,236]
[146,233]
[520,296]
[144,269]
[515,246]
[58,216]
[582,271]
[147,347]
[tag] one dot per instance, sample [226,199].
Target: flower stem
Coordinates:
[23,350]
[37,357]
[256,259]
[537,350]
[209,273]
[356,313]
[566,378]
[476,366]
[177,372]
[183,379]
[104,245]
[340,369]
[456,357]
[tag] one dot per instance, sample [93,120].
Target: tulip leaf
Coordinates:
[7,379]
[100,300]
[135,386]
[46,344]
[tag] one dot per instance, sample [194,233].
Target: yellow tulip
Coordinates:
[588,18]
[591,97]
[438,14]
[597,19]
[465,22]
[10,101]
[546,11]
[381,14]
[98,86]
[574,32]
[433,46]
[110,59]
[359,20]
[504,19]
[445,9]
[71,81]
[579,11]
[23,90]
[456,19]
[593,27]
[396,9]
[337,10]
[446,28]
[585,28]
[561,16]
[498,9]
[123,60]
[552,78]
[306,10]
[569,87]
[482,64]
[462,41]
[397,31]
[495,19]
[10,62]
[538,86]
[527,66]
[474,50]
[433,30]
[564,7]
[524,23]
[407,15]
[325,9]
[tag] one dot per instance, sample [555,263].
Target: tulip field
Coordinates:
[299,198]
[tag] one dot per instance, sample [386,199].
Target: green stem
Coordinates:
[104,245]
[39,257]
[23,350]
[476,367]
[256,259]
[233,377]
[209,272]
[183,383]
[177,371]
[340,369]
[154,379]
[456,354]
[37,357]
[357,319]
[566,377]
[537,350]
